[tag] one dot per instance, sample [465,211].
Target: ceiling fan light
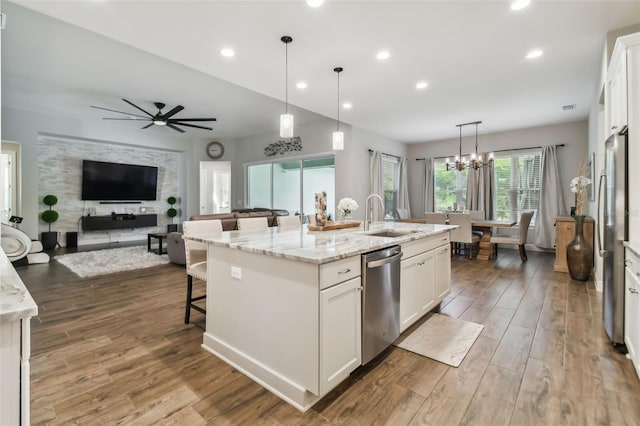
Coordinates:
[286,126]
[159,122]
[338,141]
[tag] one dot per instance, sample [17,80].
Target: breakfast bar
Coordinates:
[285,307]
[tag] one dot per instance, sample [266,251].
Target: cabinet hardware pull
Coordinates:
[344,271]
[633,291]
[628,262]
[421,263]
[359,288]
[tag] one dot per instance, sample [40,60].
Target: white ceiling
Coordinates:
[471,54]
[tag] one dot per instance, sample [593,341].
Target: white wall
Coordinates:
[573,135]
[352,164]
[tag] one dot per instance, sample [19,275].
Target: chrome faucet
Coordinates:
[368,221]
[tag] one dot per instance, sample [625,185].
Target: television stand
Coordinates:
[119,221]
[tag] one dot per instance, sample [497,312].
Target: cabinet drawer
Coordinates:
[413,248]
[341,270]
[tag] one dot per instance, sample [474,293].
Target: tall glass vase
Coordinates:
[579,253]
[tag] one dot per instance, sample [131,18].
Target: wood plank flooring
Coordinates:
[114,349]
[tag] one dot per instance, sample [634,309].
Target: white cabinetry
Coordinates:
[425,278]
[632,308]
[340,332]
[623,108]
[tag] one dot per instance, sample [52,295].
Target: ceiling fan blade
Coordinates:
[189,125]
[175,128]
[147,126]
[137,107]
[119,112]
[193,119]
[174,111]
[127,119]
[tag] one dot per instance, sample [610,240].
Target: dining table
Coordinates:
[485,246]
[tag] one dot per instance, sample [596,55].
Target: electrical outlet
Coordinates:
[236,272]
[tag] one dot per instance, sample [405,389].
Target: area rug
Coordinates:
[442,338]
[100,262]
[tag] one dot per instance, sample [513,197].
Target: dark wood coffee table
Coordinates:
[160,236]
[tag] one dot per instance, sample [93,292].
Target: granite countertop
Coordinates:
[633,246]
[15,300]
[319,246]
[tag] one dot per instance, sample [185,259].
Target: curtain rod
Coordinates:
[389,155]
[500,150]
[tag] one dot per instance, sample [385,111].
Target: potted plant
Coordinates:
[49,239]
[172,212]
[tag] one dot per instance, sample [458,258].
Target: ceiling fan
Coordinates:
[159,119]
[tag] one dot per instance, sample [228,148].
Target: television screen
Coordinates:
[118,182]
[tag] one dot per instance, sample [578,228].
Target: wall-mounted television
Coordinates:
[118,182]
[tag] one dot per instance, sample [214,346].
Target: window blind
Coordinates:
[517,177]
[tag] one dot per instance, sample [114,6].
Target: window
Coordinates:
[517,178]
[390,179]
[278,185]
[450,186]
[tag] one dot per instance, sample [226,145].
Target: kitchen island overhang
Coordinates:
[284,307]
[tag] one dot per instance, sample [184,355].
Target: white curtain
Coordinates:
[428,186]
[481,188]
[377,186]
[551,200]
[403,187]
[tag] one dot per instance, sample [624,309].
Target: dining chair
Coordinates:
[403,214]
[288,222]
[463,234]
[476,215]
[252,223]
[520,239]
[196,259]
[435,218]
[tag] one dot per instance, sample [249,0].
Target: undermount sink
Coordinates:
[389,233]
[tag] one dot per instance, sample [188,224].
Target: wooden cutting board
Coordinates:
[331,226]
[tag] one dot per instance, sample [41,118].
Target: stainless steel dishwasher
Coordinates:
[380,300]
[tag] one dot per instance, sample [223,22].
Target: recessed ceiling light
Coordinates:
[227,52]
[347,105]
[519,4]
[421,85]
[382,55]
[301,85]
[315,3]
[533,54]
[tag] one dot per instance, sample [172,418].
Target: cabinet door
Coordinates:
[632,315]
[408,292]
[340,332]
[618,99]
[426,286]
[443,272]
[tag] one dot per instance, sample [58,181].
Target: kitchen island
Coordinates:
[16,309]
[284,307]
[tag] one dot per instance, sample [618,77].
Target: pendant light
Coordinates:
[286,119]
[338,136]
[475,162]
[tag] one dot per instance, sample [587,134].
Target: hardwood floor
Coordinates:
[114,349]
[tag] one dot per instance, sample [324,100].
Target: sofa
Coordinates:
[175,243]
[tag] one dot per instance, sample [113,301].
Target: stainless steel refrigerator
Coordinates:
[613,181]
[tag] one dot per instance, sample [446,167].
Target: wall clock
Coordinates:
[215,150]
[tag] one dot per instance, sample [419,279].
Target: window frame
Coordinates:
[460,190]
[514,190]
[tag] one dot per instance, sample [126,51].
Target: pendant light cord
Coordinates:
[338,124]
[286,78]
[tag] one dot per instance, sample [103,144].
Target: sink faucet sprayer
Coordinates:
[367,222]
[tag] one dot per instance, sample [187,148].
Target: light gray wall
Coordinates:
[573,135]
[352,164]
[24,127]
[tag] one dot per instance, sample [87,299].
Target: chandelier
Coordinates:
[475,161]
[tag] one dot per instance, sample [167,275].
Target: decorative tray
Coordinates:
[330,226]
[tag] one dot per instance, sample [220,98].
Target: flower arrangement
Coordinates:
[579,185]
[347,206]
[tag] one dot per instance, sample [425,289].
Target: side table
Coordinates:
[160,236]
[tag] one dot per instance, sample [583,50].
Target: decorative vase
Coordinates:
[321,208]
[579,253]
[346,215]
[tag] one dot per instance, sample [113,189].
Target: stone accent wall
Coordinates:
[60,174]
